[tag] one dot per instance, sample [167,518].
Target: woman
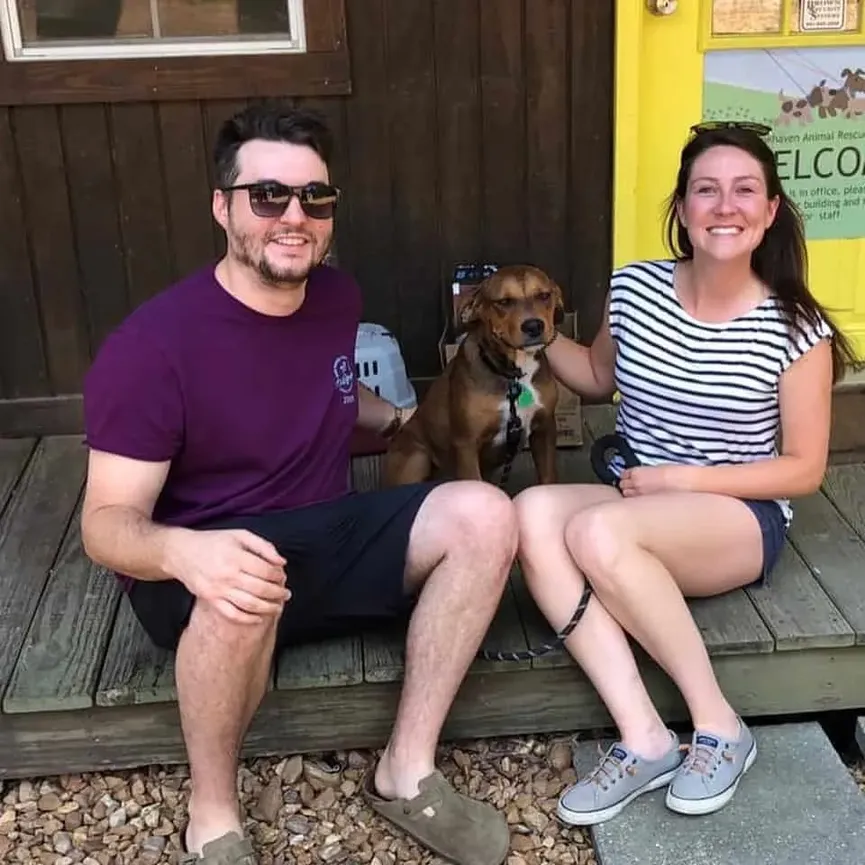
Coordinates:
[713,353]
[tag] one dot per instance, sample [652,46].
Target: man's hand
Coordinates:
[239,573]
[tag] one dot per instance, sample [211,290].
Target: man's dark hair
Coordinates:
[270,121]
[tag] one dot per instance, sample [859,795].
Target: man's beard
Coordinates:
[243,244]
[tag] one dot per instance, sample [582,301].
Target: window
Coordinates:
[60,51]
[67,29]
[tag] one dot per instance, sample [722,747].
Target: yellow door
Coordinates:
[796,65]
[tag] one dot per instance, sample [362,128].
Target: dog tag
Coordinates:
[525,399]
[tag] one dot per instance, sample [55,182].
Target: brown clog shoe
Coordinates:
[456,827]
[228,849]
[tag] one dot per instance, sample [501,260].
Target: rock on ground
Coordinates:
[299,810]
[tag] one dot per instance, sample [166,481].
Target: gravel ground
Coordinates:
[299,810]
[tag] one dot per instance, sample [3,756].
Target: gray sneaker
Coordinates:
[617,780]
[711,772]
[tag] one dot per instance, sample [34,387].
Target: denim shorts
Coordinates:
[773,527]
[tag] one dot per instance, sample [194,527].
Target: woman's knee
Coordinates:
[596,539]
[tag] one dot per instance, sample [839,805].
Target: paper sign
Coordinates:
[817,15]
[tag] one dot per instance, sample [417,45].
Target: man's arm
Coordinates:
[116,526]
[241,574]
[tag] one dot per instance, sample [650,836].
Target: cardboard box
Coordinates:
[466,279]
[569,415]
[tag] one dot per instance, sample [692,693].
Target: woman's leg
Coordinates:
[644,554]
[640,554]
[648,755]
[598,643]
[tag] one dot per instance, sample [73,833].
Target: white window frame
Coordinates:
[119,49]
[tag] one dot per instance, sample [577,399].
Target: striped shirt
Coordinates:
[694,392]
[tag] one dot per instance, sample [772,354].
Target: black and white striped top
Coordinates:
[692,392]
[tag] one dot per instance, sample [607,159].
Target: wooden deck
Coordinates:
[83,689]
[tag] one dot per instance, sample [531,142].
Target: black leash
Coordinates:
[508,370]
[602,453]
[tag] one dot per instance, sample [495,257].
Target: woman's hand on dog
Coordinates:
[645,480]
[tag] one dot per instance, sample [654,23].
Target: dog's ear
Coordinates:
[559,301]
[471,309]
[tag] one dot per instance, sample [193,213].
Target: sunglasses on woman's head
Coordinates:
[746,125]
[269,199]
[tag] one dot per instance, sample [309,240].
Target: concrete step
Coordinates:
[797,805]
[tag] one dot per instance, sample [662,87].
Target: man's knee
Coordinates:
[480,517]
[208,623]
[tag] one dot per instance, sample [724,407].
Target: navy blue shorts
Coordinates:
[773,527]
[345,568]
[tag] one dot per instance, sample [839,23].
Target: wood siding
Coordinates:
[476,129]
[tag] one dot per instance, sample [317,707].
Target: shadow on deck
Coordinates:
[83,689]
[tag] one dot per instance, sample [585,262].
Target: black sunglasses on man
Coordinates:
[269,199]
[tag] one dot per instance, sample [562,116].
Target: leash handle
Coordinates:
[604,450]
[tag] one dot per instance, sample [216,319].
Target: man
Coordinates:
[219,416]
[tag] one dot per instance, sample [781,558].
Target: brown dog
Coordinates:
[497,390]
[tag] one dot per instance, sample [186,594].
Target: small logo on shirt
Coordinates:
[343,378]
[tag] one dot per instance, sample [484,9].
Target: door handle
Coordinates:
[662,7]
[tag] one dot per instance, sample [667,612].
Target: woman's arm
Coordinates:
[805,396]
[586,370]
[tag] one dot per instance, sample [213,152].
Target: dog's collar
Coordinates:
[502,366]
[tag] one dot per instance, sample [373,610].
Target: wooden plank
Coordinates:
[503,107]
[590,181]
[366,473]
[326,664]
[146,79]
[411,102]
[369,157]
[14,454]
[61,658]
[548,108]
[730,624]
[797,610]
[93,202]
[845,487]
[23,369]
[135,670]
[325,25]
[141,200]
[30,533]
[834,553]
[384,654]
[517,703]
[458,139]
[184,158]
[51,241]
[42,416]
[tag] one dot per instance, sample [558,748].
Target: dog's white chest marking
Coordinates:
[527,402]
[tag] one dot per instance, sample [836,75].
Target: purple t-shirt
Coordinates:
[255,412]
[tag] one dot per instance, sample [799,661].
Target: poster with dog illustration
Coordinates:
[814,101]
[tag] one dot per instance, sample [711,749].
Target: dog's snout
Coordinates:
[533,327]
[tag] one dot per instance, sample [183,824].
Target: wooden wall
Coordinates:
[476,129]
